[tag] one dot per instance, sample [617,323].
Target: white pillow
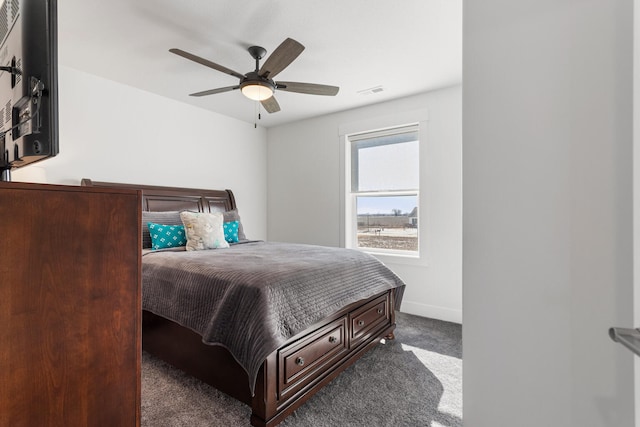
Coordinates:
[204,230]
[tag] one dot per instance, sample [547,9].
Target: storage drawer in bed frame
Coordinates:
[310,361]
[304,360]
[369,319]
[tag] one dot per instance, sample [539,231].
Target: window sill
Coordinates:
[403,259]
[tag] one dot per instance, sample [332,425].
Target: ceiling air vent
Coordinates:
[371,90]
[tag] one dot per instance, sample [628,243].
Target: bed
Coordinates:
[280,337]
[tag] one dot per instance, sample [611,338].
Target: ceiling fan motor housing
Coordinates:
[253,79]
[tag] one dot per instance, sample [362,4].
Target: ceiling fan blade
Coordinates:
[214,91]
[309,88]
[281,58]
[271,105]
[206,62]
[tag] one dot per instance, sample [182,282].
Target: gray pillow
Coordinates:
[164,218]
[233,215]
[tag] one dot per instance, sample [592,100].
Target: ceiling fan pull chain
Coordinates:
[257,113]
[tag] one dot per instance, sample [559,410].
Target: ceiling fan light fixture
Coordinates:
[257,91]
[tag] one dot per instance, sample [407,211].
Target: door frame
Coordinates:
[636,196]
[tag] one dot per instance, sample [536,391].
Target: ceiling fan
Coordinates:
[259,85]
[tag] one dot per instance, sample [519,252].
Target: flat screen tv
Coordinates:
[28,83]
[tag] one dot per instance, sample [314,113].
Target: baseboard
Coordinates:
[431,311]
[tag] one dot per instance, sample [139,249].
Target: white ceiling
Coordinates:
[407,47]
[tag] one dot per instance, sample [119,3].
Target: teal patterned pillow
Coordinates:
[231,231]
[166,236]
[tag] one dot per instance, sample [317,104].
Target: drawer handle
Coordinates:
[380,311]
[360,322]
[332,339]
[300,361]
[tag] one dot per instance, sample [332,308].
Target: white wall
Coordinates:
[305,203]
[113,132]
[547,212]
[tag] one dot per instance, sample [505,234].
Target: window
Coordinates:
[383,198]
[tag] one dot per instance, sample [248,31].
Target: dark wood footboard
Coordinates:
[291,374]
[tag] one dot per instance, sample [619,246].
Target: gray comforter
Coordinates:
[252,297]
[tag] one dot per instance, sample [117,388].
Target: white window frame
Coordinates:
[351,239]
[348,222]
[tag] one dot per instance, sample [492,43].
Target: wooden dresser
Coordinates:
[70,306]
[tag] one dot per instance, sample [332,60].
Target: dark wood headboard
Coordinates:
[157,198]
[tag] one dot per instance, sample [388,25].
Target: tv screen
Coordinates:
[28,83]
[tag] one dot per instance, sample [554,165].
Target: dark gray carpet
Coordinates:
[414,380]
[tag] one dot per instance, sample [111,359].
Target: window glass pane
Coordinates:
[386,163]
[387,222]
